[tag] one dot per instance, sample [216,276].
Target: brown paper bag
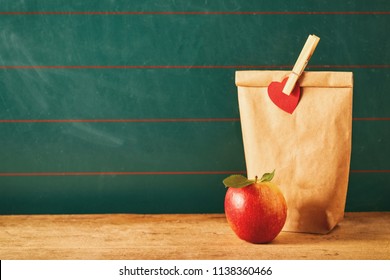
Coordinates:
[309,149]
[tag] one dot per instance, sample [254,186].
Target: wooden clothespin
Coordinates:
[300,64]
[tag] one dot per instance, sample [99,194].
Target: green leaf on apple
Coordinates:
[267,177]
[237,181]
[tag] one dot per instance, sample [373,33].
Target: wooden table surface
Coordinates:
[201,236]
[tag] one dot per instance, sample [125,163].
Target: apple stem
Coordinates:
[255,179]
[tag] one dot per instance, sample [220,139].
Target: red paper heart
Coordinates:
[285,102]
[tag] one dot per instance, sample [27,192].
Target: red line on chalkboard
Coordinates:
[129,173]
[163,120]
[113,173]
[138,66]
[195,13]
[122,120]
[371,119]
[355,66]
[370,171]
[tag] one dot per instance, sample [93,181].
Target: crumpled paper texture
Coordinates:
[309,149]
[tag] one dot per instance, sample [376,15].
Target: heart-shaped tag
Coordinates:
[287,103]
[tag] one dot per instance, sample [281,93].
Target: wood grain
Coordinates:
[187,236]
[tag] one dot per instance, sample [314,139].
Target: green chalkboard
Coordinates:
[131,106]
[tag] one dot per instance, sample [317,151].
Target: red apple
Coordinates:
[255,209]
